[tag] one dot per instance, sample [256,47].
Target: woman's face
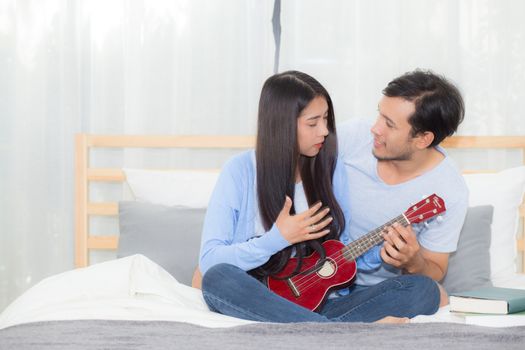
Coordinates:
[312,127]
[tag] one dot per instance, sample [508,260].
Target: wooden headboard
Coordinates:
[85,174]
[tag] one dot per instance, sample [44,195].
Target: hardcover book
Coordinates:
[489,300]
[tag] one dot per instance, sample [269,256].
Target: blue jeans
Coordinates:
[231,291]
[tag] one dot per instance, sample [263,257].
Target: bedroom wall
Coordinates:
[196,67]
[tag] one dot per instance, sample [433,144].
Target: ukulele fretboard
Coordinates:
[361,245]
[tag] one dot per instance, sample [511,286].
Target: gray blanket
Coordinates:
[102,334]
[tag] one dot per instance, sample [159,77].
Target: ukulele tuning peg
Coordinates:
[426,197]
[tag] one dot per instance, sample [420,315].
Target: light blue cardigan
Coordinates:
[228,234]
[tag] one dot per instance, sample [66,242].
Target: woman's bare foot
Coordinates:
[392,319]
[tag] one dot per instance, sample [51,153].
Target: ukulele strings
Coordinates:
[310,280]
[339,256]
[339,259]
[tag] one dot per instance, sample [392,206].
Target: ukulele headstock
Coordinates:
[425,209]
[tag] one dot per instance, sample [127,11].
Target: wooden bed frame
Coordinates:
[85,174]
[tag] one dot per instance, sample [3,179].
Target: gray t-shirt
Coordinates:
[373,202]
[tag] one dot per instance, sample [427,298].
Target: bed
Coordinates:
[145,299]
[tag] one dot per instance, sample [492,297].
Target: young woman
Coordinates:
[282,200]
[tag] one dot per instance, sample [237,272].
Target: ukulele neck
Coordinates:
[361,245]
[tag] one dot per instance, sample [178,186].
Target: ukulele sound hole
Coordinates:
[328,269]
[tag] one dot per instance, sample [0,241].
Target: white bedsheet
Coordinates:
[131,288]
[134,288]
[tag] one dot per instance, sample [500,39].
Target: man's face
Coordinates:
[391,131]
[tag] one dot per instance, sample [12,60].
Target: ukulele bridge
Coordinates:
[292,286]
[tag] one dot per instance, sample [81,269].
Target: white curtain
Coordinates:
[196,67]
[357,47]
[110,67]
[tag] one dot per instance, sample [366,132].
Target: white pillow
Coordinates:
[504,191]
[190,189]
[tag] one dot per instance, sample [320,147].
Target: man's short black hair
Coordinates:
[439,105]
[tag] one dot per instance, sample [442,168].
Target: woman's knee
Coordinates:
[217,274]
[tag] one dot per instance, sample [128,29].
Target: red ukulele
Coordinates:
[313,283]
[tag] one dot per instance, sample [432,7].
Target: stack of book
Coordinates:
[491,306]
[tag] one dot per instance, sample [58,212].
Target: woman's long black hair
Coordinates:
[283,97]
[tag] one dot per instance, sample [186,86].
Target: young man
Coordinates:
[397,161]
